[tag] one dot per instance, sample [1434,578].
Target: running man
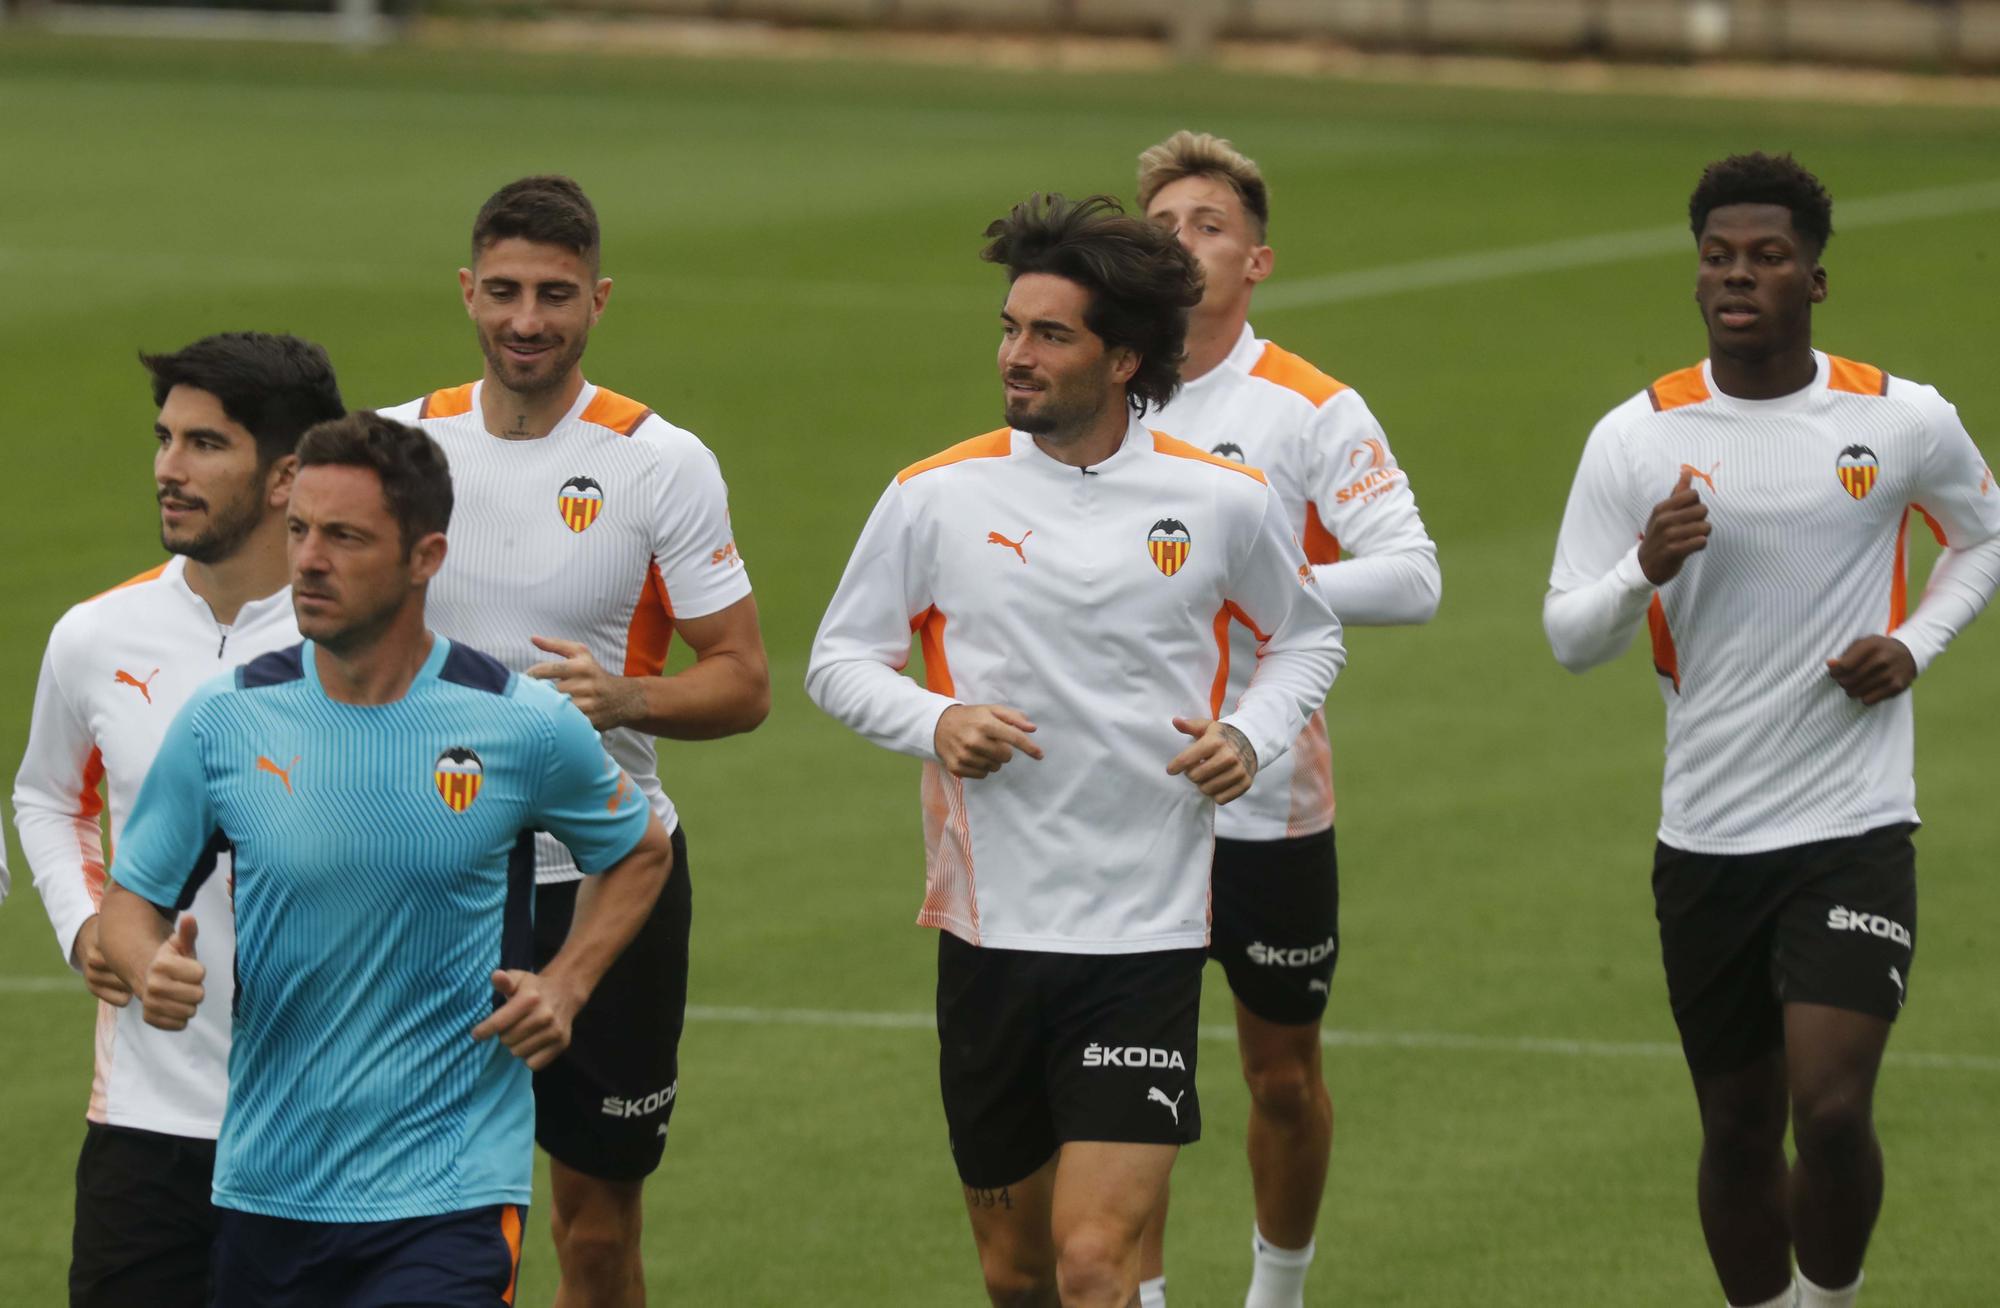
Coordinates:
[590,532]
[380,787]
[231,409]
[1276,883]
[1071,578]
[1784,876]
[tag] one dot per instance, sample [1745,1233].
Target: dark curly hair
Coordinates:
[1759,178]
[549,210]
[416,480]
[1141,282]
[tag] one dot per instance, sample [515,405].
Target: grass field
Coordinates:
[794,247]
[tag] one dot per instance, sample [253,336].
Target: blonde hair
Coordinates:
[1197,154]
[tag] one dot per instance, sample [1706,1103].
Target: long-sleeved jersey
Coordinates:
[1352,508]
[1810,498]
[117,669]
[604,531]
[1098,602]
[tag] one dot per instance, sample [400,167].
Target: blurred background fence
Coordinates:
[1942,35]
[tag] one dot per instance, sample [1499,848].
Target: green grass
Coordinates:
[794,248]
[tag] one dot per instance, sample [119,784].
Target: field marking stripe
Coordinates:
[1608,247]
[1337,1039]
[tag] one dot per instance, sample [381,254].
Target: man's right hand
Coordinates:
[974,740]
[173,980]
[97,974]
[1677,527]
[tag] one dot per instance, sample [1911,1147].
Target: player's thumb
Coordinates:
[1191,726]
[505,983]
[184,933]
[1686,481]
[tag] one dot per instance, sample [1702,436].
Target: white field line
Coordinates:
[1434,1041]
[1608,247]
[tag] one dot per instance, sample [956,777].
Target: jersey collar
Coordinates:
[1242,357]
[440,650]
[1798,399]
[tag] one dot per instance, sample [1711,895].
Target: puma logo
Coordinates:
[1697,474]
[1897,977]
[1316,986]
[1155,1095]
[124,678]
[283,774]
[995,538]
[623,789]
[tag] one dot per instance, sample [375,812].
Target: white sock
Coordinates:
[1277,1276]
[1786,1300]
[1812,1296]
[1153,1293]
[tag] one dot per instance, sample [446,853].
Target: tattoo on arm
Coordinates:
[978,1198]
[1243,748]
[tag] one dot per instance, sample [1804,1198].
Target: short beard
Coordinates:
[536,385]
[227,530]
[1057,425]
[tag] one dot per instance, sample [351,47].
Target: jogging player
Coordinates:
[1754,511]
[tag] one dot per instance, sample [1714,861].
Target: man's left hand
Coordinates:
[606,700]
[1874,668]
[535,1021]
[1220,762]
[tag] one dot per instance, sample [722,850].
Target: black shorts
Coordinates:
[1276,923]
[602,1108]
[1833,922]
[144,1222]
[469,1259]
[1039,1049]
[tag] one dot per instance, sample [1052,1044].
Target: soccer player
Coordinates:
[1276,885]
[380,787]
[590,532]
[1072,577]
[1784,876]
[118,667]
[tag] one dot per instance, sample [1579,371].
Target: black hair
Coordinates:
[416,479]
[1141,282]
[275,387]
[548,209]
[1759,178]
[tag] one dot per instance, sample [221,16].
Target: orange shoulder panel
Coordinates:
[149,574]
[1180,449]
[451,402]
[1677,389]
[610,409]
[1295,374]
[1859,378]
[993,445]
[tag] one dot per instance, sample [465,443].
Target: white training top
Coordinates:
[1098,603]
[604,531]
[117,669]
[1810,498]
[1350,504]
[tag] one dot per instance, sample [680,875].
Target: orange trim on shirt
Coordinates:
[1677,389]
[610,409]
[929,626]
[510,1231]
[150,574]
[1937,528]
[1899,576]
[1180,449]
[451,402]
[1322,546]
[1856,378]
[1219,691]
[90,840]
[992,445]
[652,627]
[1295,374]
[1666,659]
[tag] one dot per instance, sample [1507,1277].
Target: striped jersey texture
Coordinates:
[1349,503]
[1099,604]
[604,531]
[1812,498]
[382,874]
[117,669]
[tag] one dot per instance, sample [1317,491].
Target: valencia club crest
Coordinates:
[1168,542]
[579,501]
[458,775]
[1857,468]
